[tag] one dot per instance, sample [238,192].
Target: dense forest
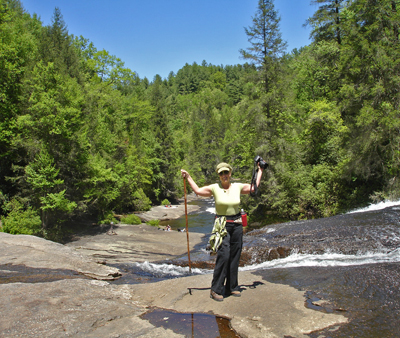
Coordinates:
[83,136]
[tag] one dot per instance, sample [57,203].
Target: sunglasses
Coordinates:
[225,172]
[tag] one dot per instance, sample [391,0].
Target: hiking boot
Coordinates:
[216,296]
[236,293]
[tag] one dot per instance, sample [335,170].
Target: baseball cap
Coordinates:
[223,166]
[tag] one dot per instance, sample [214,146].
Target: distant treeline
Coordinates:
[82,135]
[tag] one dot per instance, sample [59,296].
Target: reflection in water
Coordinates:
[196,325]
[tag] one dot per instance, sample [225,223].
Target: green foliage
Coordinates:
[101,184]
[141,201]
[371,102]
[264,36]
[131,219]
[56,47]
[57,202]
[317,73]
[165,202]
[41,174]
[324,134]
[107,218]
[153,222]
[108,67]
[266,48]
[326,21]
[21,220]
[41,177]
[17,51]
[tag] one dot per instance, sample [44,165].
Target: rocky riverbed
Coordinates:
[70,290]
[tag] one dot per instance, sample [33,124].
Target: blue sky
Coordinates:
[159,36]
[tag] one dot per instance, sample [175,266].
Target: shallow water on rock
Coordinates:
[24,274]
[195,325]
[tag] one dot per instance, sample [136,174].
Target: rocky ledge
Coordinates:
[76,297]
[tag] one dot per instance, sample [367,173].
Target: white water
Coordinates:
[294,260]
[326,260]
[168,270]
[377,206]
[211,210]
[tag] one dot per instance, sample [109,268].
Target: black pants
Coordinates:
[227,263]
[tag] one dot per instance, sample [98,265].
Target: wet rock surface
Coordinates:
[368,295]
[348,234]
[10,273]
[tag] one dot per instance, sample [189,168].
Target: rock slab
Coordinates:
[95,307]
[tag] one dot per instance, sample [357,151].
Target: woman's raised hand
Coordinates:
[184,173]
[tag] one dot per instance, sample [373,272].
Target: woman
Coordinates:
[227,206]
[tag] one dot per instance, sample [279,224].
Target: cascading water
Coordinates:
[365,236]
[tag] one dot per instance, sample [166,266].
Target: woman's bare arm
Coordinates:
[203,191]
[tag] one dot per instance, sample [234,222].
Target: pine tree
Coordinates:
[58,47]
[266,44]
[326,20]
[370,92]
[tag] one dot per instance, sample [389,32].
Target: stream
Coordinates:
[350,261]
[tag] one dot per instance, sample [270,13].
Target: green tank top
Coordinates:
[227,202]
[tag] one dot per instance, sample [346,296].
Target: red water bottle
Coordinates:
[244,218]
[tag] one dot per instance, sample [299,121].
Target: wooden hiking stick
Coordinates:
[187,229]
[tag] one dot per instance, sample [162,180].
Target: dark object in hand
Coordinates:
[261,162]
